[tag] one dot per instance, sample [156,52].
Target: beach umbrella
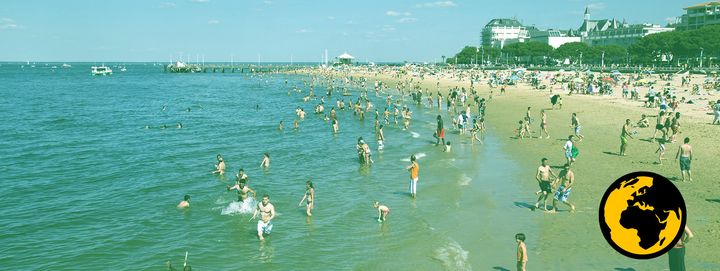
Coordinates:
[616,72]
[514,78]
[609,80]
[562,70]
[577,80]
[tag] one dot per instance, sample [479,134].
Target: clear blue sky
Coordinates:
[275,30]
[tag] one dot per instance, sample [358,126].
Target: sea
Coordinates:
[94,166]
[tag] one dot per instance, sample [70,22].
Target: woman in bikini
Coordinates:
[309,196]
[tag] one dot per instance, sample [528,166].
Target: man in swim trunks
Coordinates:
[242,190]
[575,122]
[624,137]
[267,213]
[543,175]
[684,155]
[440,131]
[567,180]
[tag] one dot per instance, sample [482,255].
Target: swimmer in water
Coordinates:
[220,166]
[266,161]
[242,190]
[309,196]
[383,211]
[185,203]
[281,126]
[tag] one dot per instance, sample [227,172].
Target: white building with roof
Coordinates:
[500,32]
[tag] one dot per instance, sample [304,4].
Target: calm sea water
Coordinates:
[86,187]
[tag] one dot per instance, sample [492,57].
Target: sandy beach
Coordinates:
[576,236]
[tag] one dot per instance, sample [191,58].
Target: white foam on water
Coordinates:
[464,180]
[453,256]
[236,207]
[415,134]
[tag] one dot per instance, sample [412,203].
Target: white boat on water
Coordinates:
[65,65]
[102,70]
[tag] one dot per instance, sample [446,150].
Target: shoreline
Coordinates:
[598,165]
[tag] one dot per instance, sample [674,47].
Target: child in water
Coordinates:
[447,146]
[382,211]
[185,203]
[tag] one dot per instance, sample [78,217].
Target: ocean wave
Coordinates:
[453,256]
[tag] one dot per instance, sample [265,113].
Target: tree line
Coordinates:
[674,48]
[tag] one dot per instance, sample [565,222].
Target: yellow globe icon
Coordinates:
[642,215]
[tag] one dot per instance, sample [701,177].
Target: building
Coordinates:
[553,37]
[700,15]
[613,32]
[500,32]
[345,58]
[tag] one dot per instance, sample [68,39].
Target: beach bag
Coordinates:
[575,152]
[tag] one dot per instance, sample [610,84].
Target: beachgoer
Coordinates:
[624,137]
[185,203]
[643,122]
[684,155]
[568,147]
[659,126]
[661,150]
[381,137]
[522,257]
[440,130]
[281,126]
[575,122]
[716,110]
[266,161]
[567,180]
[676,255]
[383,211]
[543,124]
[309,196]
[543,176]
[242,190]
[220,166]
[414,169]
[447,146]
[267,213]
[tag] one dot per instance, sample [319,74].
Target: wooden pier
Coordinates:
[221,68]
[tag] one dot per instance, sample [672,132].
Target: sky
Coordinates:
[283,30]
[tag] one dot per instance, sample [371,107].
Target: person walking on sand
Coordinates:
[568,147]
[624,137]
[575,122]
[522,257]
[716,110]
[567,180]
[220,166]
[309,197]
[543,124]
[676,255]
[414,169]
[267,213]
[661,150]
[543,175]
[684,155]
[383,211]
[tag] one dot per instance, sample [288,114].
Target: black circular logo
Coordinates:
[642,215]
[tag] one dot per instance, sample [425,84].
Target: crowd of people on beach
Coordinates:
[466,109]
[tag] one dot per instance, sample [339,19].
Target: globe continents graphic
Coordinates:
[642,215]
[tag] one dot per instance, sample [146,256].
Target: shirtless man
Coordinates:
[185,203]
[220,166]
[684,155]
[543,124]
[267,213]
[242,190]
[575,122]
[567,180]
[241,176]
[543,175]
[624,137]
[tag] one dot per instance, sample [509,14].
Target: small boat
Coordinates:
[102,70]
[66,66]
